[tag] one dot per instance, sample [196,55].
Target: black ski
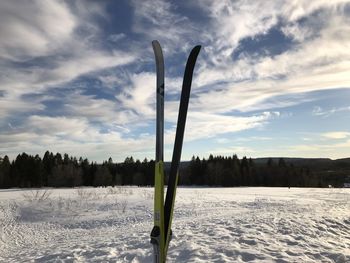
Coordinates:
[181,121]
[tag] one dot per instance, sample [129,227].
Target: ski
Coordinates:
[157,234]
[163,212]
[180,129]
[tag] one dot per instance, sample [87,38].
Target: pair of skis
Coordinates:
[163,211]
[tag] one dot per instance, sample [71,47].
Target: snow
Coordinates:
[210,225]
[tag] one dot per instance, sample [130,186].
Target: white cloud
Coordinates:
[326,150]
[336,135]
[157,19]
[53,54]
[58,126]
[318,111]
[139,96]
[238,150]
[116,37]
[319,62]
[204,125]
[296,32]
[74,136]
[57,45]
[52,46]
[12,104]
[333,144]
[252,138]
[111,80]
[87,62]
[41,79]
[233,21]
[294,10]
[109,113]
[222,140]
[36,28]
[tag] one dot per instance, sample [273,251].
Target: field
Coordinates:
[210,225]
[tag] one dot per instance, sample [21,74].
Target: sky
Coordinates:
[272,78]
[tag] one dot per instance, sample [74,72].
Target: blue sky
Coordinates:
[272,78]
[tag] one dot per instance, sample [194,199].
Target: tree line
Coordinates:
[56,170]
[231,171]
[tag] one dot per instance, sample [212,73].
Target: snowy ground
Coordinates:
[210,225]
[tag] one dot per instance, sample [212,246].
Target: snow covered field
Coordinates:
[210,225]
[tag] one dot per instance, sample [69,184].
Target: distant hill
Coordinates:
[310,162]
[293,160]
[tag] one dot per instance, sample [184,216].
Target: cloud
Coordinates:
[204,125]
[326,150]
[70,128]
[318,62]
[296,32]
[108,113]
[12,105]
[61,71]
[336,135]
[157,19]
[233,21]
[74,136]
[234,88]
[116,37]
[296,10]
[318,111]
[39,53]
[25,35]
[333,144]
[139,95]
[238,150]
[222,140]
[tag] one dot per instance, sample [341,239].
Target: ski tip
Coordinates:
[157,48]
[194,53]
[155,43]
[195,50]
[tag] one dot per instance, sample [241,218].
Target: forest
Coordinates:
[57,170]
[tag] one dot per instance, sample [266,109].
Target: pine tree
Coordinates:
[5,169]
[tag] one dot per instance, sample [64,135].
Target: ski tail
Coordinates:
[157,234]
[181,121]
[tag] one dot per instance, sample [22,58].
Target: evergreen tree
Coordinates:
[102,177]
[53,170]
[48,165]
[86,174]
[112,170]
[5,168]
